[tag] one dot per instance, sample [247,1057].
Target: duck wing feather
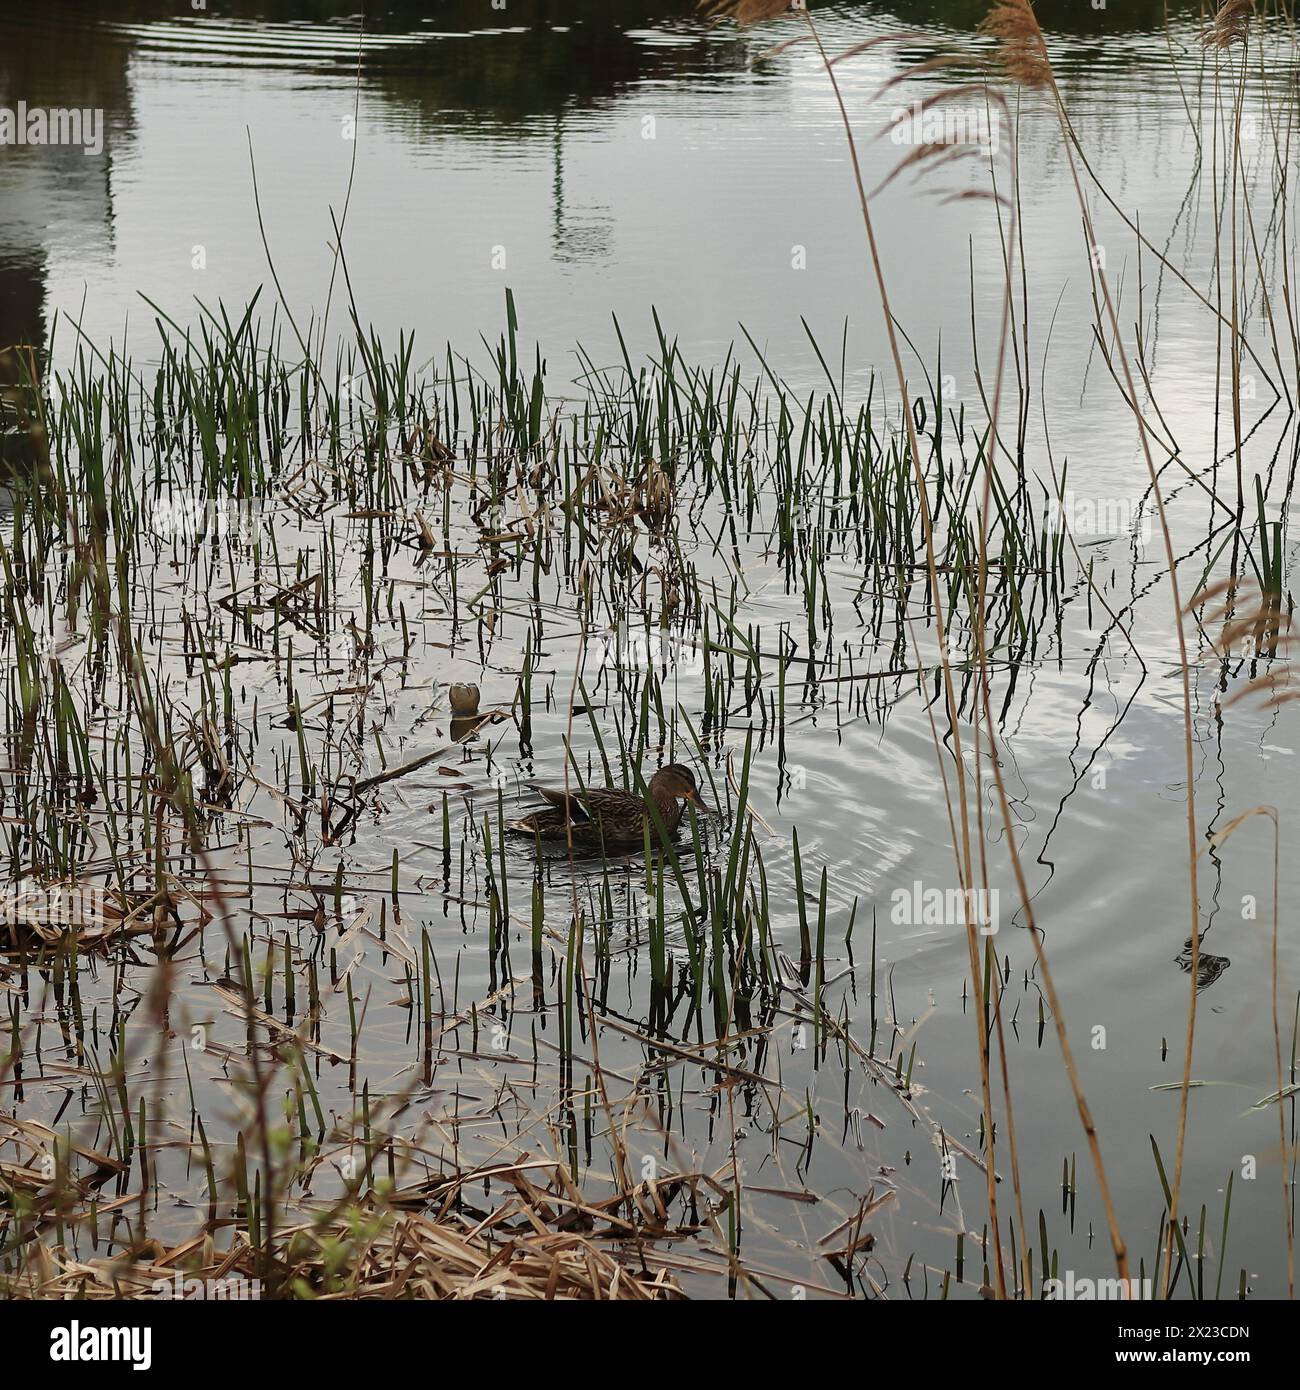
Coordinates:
[594,803]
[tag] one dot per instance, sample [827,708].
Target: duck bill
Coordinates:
[697,800]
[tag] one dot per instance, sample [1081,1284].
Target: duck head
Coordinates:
[677,783]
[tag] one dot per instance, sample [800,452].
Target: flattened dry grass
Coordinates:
[41,918]
[544,1242]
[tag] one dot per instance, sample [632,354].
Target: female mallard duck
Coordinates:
[605,815]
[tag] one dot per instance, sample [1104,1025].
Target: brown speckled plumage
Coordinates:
[609,816]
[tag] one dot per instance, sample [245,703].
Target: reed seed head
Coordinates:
[1229,25]
[746,12]
[1021,50]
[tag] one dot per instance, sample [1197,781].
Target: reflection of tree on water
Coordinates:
[576,235]
[534,59]
[48,64]
[466,67]
[22,296]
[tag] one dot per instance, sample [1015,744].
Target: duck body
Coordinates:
[609,816]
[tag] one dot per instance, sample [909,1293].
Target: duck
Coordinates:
[610,816]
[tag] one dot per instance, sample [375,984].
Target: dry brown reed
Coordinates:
[1022,54]
[748,12]
[547,1244]
[1230,24]
[1020,51]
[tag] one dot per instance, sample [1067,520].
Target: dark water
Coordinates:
[601,159]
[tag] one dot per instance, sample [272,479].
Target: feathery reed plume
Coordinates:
[1021,50]
[1252,627]
[749,11]
[1229,25]
[963,138]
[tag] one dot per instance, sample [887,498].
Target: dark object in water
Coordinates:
[608,816]
[24,445]
[1210,966]
[464,699]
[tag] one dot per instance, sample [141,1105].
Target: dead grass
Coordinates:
[543,1240]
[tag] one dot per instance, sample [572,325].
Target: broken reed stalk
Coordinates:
[1024,54]
[1023,63]
[979,627]
[1288,1215]
[1023,51]
[963,850]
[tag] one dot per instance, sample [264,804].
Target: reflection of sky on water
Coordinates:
[462,165]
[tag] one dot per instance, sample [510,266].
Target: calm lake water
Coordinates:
[607,160]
